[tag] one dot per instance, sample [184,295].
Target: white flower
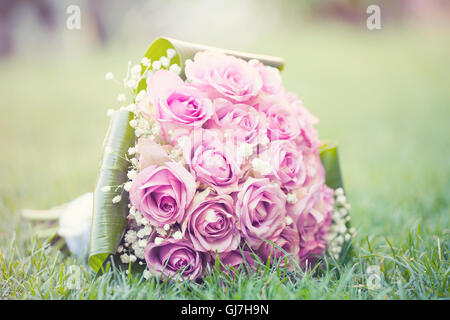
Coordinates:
[133,210]
[177,235]
[156,65]
[146,274]
[127,186]
[130,236]
[131,174]
[289,220]
[134,162]
[139,252]
[166,227]
[261,166]
[139,132]
[245,150]
[142,243]
[291,198]
[171,53]
[116,199]
[147,229]
[119,249]
[339,192]
[156,129]
[109,76]
[132,258]
[164,61]
[131,150]
[133,123]
[159,240]
[341,199]
[121,97]
[125,258]
[136,70]
[145,61]
[175,68]
[106,189]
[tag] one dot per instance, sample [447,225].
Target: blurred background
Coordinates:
[383,94]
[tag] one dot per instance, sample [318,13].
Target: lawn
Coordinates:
[383,95]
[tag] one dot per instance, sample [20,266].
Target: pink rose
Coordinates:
[242,122]
[313,225]
[260,207]
[288,240]
[211,160]
[288,164]
[224,76]
[308,134]
[211,223]
[162,193]
[150,153]
[271,78]
[178,107]
[282,122]
[235,259]
[173,257]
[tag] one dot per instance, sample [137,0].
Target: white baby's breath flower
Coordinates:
[134,162]
[177,235]
[166,227]
[121,97]
[139,132]
[133,123]
[146,274]
[145,61]
[147,229]
[245,150]
[119,249]
[158,240]
[127,186]
[261,166]
[171,53]
[339,192]
[106,188]
[156,65]
[341,199]
[142,243]
[132,258]
[131,174]
[139,252]
[289,220]
[136,70]
[132,151]
[130,236]
[175,68]
[125,258]
[291,198]
[116,199]
[133,210]
[164,61]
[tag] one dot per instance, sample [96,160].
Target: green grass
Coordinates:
[382,95]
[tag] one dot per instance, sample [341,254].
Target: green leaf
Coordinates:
[108,219]
[330,160]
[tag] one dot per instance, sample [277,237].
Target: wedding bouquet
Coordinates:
[211,159]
